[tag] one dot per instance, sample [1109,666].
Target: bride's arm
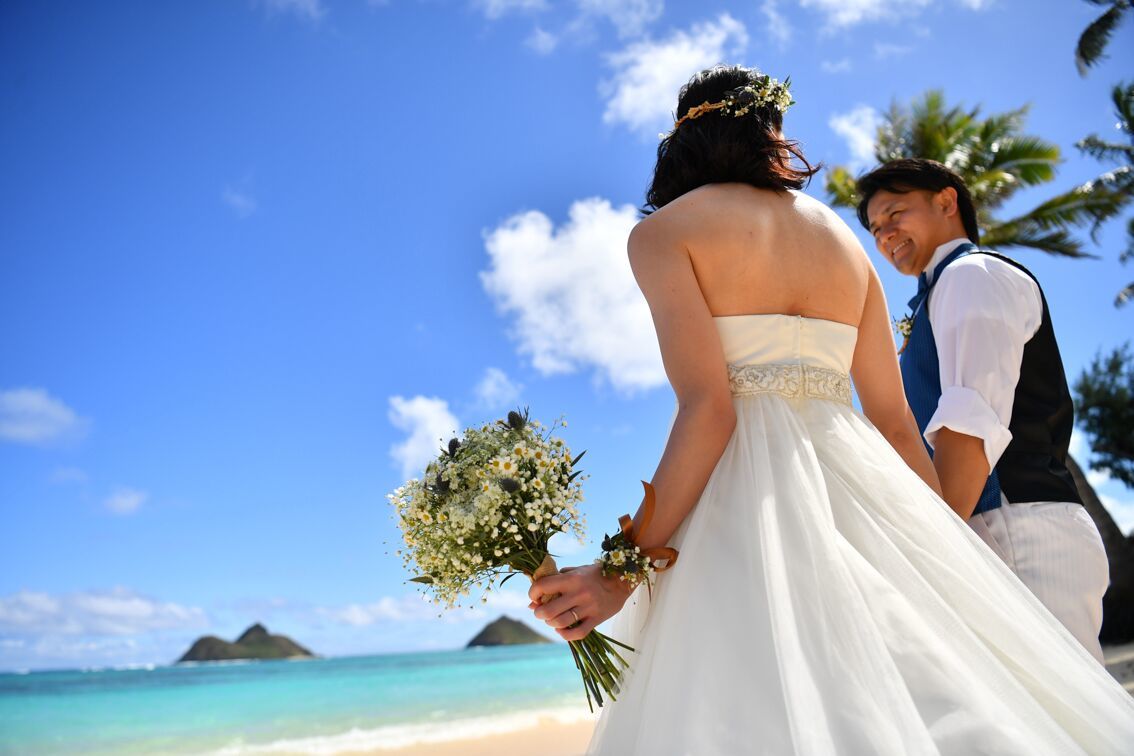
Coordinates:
[695,365]
[879,384]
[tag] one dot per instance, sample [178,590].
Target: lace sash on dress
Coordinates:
[792,381]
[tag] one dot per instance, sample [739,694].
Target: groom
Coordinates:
[985,381]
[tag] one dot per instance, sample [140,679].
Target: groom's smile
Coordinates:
[908,226]
[900,249]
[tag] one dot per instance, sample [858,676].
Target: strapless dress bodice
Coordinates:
[789,355]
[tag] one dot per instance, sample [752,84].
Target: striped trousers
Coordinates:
[1057,552]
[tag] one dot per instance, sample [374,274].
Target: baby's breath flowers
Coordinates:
[739,102]
[485,509]
[624,559]
[904,327]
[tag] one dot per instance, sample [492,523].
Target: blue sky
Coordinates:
[255,257]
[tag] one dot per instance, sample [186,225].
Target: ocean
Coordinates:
[321,706]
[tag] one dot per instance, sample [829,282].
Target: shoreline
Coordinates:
[549,732]
[561,731]
[548,737]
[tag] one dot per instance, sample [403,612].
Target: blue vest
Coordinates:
[1033,467]
[921,370]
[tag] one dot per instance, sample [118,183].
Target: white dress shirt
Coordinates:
[982,311]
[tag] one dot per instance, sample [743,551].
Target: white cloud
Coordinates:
[572,294]
[541,41]
[427,422]
[32,416]
[647,75]
[497,390]
[124,501]
[886,50]
[417,607]
[565,544]
[68,475]
[1122,510]
[494,9]
[843,13]
[778,28]
[242,203]
[312,10]
[386,609]
[837,66]
[630,17]
[858,128]
[116,612]
[1080,449]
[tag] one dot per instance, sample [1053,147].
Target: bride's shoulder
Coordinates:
[805,203]
[707,205]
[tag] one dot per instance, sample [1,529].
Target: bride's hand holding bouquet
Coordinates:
[484,511]
[579,599]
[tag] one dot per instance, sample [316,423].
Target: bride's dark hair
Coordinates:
[717,147]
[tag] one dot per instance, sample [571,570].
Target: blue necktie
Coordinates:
[922,293]
[923,279]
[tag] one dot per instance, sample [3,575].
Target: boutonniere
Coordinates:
[903,326]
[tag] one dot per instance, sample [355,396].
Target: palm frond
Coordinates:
[1022,233]
[1123,98]
[1031,159]
[1128,253]
[1125,295]
[841,187]
[1103,150]
[1092,203]
[1094,39]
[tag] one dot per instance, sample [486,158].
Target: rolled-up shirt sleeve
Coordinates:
[983,311]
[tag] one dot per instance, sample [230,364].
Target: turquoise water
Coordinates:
[245,706]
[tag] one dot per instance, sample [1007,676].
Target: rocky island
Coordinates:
[506,632]
[255,643]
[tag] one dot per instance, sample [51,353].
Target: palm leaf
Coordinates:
[1093,203]
[840,185]
[1031,159]
[1102,150]
[1128,253]
[1123,98]
[1094,39]
[1021,232]
[1125,295]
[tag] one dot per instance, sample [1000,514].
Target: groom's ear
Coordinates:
[946,200]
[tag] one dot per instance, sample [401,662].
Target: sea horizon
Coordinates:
[310,705]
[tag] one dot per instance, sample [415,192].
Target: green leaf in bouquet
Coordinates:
[575,461]
[422,579]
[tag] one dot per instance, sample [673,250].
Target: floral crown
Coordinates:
[742,100]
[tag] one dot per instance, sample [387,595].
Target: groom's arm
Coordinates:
[962,468]
[983,312]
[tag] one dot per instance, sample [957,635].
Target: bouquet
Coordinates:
[484,511]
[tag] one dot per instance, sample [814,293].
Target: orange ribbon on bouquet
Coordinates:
[626,522]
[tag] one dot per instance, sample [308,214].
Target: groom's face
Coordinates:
[908,227]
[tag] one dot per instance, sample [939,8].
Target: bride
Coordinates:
[826,600]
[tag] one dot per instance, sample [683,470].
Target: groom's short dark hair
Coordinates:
[913,174]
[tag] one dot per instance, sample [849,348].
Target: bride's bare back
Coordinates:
[733,249]
[761,251]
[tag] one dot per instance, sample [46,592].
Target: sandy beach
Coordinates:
[550,738]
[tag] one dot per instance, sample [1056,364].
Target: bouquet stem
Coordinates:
[595,656]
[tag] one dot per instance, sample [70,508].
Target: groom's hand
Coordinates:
[578,599]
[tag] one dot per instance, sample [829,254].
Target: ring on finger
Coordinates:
[576,616]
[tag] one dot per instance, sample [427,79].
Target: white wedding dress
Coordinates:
[826,601]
